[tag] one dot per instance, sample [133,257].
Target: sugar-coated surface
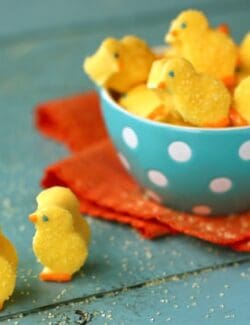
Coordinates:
[40,58]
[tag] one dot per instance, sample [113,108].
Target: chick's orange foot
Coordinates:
[54,277]
[229,81]
[236,119]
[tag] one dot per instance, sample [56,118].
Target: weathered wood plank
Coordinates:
[204,297]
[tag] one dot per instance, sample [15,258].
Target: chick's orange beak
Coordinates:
[162,85]
[33,218]
[174,33]
[121,66]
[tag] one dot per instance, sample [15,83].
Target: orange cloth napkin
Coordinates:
[105,189]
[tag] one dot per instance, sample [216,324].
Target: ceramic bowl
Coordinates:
[204,171]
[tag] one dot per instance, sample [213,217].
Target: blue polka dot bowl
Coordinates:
[204,171]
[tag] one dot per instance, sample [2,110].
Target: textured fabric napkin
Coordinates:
[105,189]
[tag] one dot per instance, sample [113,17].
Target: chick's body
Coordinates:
[120,64]
[7,282]
[242,100]
[209,50]
[202,102]
[200,99]
[8,266]
[57,245]
[214,60]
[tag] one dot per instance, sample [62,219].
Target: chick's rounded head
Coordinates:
[60,196]
[185,25]
[53,218]
[169,74]
[105,62]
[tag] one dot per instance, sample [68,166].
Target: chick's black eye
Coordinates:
[116,55]
[45,218]
[183,25]
[171,73]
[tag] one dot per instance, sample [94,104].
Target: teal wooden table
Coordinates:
[127,280]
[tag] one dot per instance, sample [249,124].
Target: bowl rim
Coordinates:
[105,94]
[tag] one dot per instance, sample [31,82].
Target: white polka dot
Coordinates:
[179,151]
[124,160]
[202,210]
[244,151]
[220,185]
[157,178]
[130,137]
[152,195]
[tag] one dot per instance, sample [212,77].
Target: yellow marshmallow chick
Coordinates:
[120,64]
[200,99]
[8,266]
[65,198]
[210,51]
[241,102]
[57,245]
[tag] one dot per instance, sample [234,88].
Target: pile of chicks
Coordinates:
[201,79]
[60,243]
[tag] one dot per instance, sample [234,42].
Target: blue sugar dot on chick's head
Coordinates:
[171,74]
[45,218]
